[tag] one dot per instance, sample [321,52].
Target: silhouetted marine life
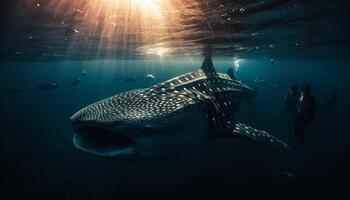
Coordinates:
[286,177]
[149,77]
[331,99]
[48,86]
[12,91]
[291,100]
[305,113]
[83,73]
[170,118]
[76,81]
[127,79]
[260,80]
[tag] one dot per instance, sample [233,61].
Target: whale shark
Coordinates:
[173,117]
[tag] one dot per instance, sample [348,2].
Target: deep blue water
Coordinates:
[39,160]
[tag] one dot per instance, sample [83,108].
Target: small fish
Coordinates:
[149,77]
[260,81]
[76,81]
[127,79]
[83,73]
[48,86]
[287,175]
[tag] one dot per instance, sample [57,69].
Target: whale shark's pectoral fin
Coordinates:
[247,132]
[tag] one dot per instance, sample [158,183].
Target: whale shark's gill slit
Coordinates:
[102,142]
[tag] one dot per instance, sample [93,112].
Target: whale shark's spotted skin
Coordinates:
[211,99]
[167,97]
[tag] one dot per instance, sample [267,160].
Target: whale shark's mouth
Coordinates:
[102,142]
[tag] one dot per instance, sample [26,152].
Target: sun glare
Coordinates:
[147,5]
[159,51]
[118,27]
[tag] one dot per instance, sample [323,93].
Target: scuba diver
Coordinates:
[291,100]
[331,99]
[305,113]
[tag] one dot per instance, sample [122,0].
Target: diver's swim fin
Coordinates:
[247,132]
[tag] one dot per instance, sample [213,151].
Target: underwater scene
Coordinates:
[174,99]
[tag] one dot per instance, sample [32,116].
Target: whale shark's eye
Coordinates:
[147,130]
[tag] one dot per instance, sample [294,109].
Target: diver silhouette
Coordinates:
[291,100]
[305,113]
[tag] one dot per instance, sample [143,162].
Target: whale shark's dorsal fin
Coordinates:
[208,66]
[231,73]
